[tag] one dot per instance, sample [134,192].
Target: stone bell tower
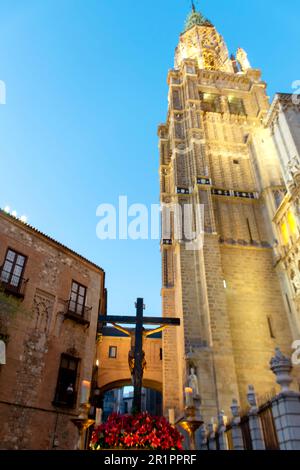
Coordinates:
[215,151]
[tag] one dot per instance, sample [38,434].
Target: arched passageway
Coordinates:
[118,398]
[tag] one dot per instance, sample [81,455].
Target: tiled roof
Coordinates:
[29,227]
[196,18]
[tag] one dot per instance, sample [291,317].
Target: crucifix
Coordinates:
[136,355]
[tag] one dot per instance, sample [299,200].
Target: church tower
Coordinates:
[215,151]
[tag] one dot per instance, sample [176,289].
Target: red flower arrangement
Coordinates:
[141,431]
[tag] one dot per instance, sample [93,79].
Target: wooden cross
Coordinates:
[139,321]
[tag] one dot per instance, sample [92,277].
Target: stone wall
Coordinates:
[258,322]
[227,295]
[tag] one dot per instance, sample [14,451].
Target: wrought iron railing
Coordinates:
[77,312]
[245,427]
[268,426]
[12,284]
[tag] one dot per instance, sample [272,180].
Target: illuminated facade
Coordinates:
[216,150]
[284,121]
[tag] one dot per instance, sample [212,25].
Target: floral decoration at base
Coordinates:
[141,431]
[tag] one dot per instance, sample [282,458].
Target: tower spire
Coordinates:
[195,18]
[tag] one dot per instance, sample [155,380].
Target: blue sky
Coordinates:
[86,89]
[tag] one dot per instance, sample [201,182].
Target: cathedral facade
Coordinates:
[234,292]
[284,122]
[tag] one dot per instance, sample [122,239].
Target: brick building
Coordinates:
[50,299]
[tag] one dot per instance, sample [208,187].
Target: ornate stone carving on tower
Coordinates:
[242,58]
[208,49]
[283,120]
[294,169]
[215,151]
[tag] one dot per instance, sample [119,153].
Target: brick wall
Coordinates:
[38,334]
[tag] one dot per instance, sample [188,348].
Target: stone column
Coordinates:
[221,431]
[237,436]
[212,436]
[254,421]
[286,405]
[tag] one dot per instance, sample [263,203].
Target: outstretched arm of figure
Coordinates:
[118,327]
[157,330]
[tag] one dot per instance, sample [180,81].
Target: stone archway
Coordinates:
[113,370]
[152,384]
[117,397]
[112,356]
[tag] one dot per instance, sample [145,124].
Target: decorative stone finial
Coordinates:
[221,420]
[281,366]
[211,427]
[251,396]
[242,59]
[235,410]
[203,437]
[203,433]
